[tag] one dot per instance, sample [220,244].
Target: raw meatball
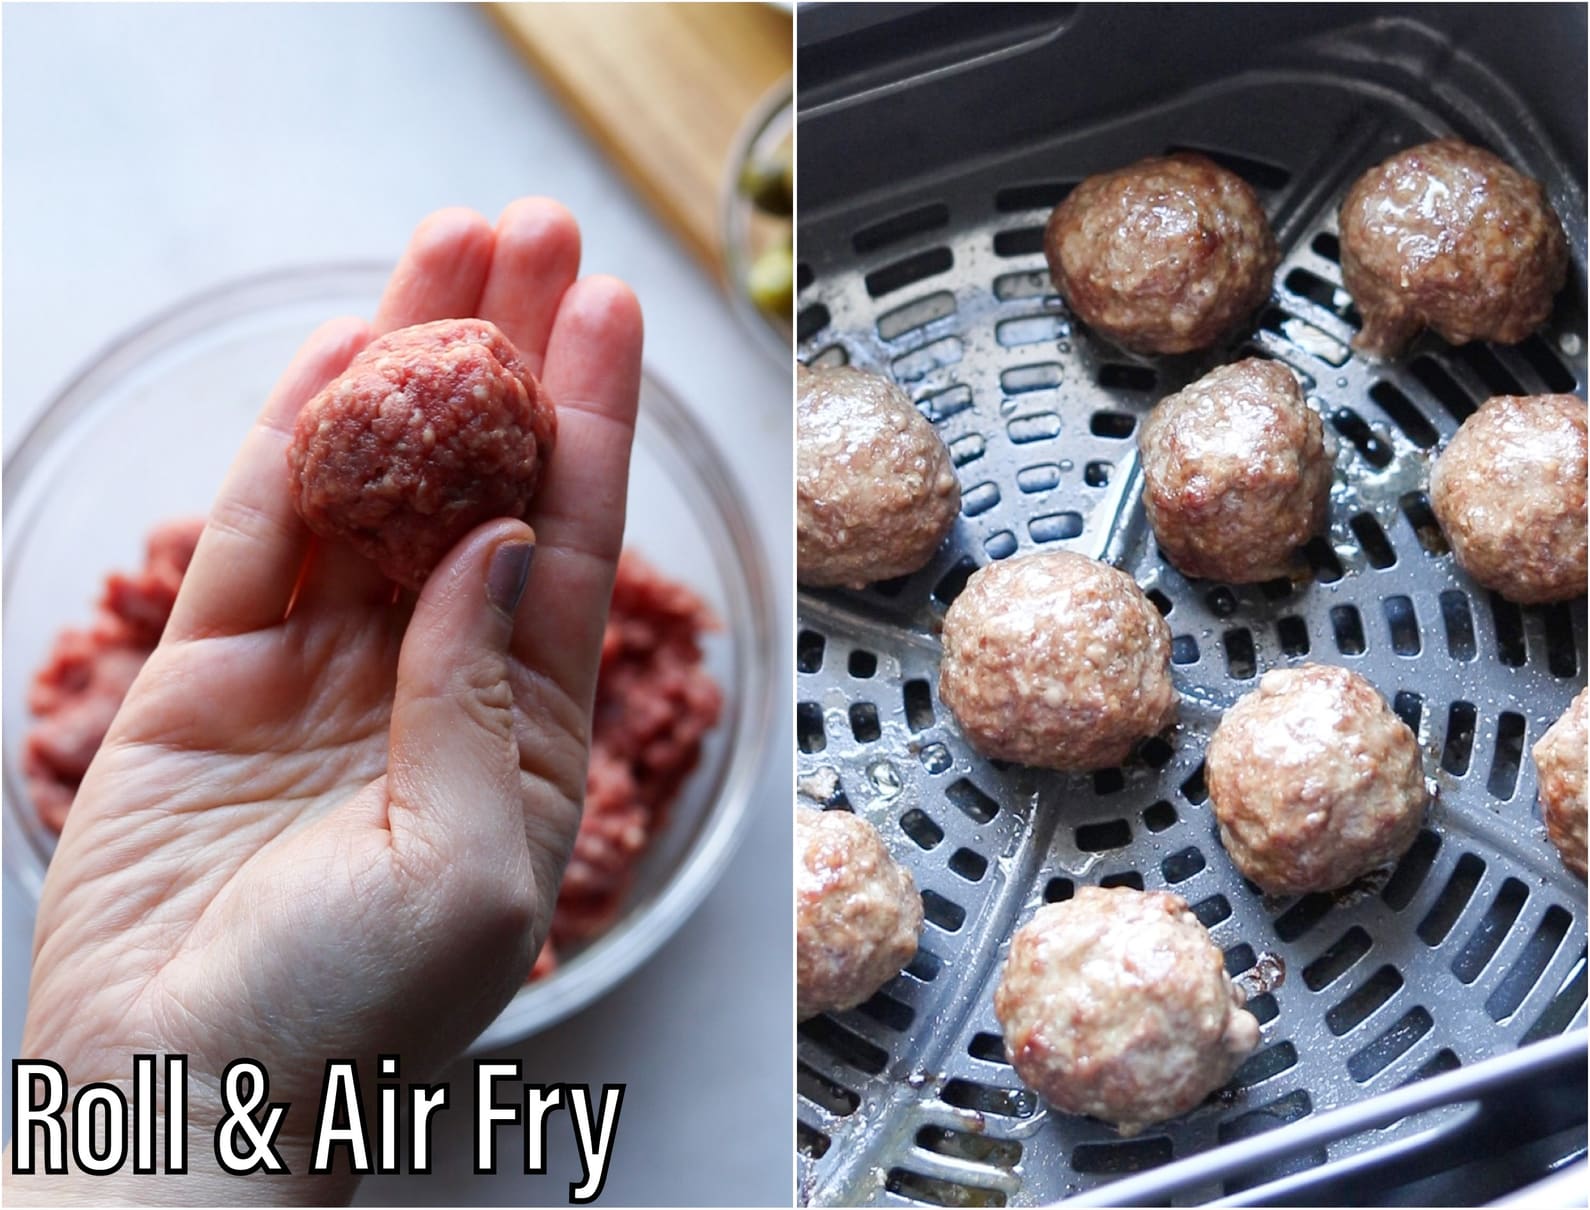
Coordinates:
[1056,660]
[857,913]
[1116,1003]
[1236,474]
[1164,256]
[876,493]
[1446,236]
[430,431]
[1509,491]
[1314,781]
[1560,760]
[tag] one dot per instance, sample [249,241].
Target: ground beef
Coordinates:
[655,702]
[429,432]
[77,692]
[1560,762]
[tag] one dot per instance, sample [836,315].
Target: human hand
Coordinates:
[330,821]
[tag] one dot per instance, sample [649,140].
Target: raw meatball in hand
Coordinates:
[430,431]
[1509,491]
[1236,474]
[857,913]
[1560,762]
[1056,660]
[1116,1003]
[875,491]
[1314,781]
[1446,236]
[1164,256]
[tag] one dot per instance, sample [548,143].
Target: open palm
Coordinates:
[330,820]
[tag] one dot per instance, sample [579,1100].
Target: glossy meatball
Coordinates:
[1509,491]
[1116,1003]
[429,432]
[1056,660]
[875,490]
[1314,781]
[1560,762]
[1236,475]
[1164,256]
[857,913]
[1446,236]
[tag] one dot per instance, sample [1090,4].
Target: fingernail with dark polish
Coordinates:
[505,578]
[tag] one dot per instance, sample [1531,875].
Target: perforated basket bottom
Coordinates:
[1474,945]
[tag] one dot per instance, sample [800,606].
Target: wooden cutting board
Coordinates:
[663,88]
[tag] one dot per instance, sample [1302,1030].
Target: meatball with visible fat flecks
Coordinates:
[1509,492]
[1236,474]
[1116,1003]
[857,912]
[1166,255]
[1056,660]
[1560,762]
[876,492]
[1447,236]
[429,432]
[1314,781]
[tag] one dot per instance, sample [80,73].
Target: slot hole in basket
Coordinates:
[1508,756]
[1000,545]
[1041,376]
[990,1048]
[1458,621]
[1364,1001]
[804,276]
[977,500]
[1018,241]
[1265,1065]
[1058,890]
[919,826]
[939,406]
[1321,556]
[1055,527]
[1240,958]
[1390,1046]
[1366,441]
[899,227]
[1264,1008]
[1194,790]
[1003,1102]
[810,321]
[901,273]
[925,966]
[1562,1010]
[1184,649]
[1337,960]
[1302,916]
[1409,707]
[811,1142]
[1127,878]
[1118,377]
[1455,753]
[1118,1159]
[902,1182]
[888,1012]
[918,705]
[1455,896]
[809,647]
[916,314]
[1040,477]
[1509,620]
[1416,507]
[1102,837]
[1212,911]
[976,1148]
[862,664]
[1160,602]
[1434,378]
[1115,426]
[1108,781]
[1373,541]
[1159,816]
[969,865]
[864,724]
[973,803]
[849,1048]
[941,912]
[1290,1108]
[1327,245]
[1348,628]
[1405,414]
[1321,292]
[953,581]
[1498,378]
[1441,1061]
[1293,633]
[1222,601]
[1182,865]
[1097,474]
[1241,660]
[1544,362]
[1561,656]
[1411,871]
[809,731]
[1403,624]
[1043,195]
[1491,931]
[820,1090]
[1537,954]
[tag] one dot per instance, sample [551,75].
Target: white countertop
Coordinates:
[153,151]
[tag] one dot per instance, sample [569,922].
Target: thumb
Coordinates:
[453,769]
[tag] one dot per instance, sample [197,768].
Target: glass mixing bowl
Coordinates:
[146,432]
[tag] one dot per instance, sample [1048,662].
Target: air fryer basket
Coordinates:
[1474,947]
